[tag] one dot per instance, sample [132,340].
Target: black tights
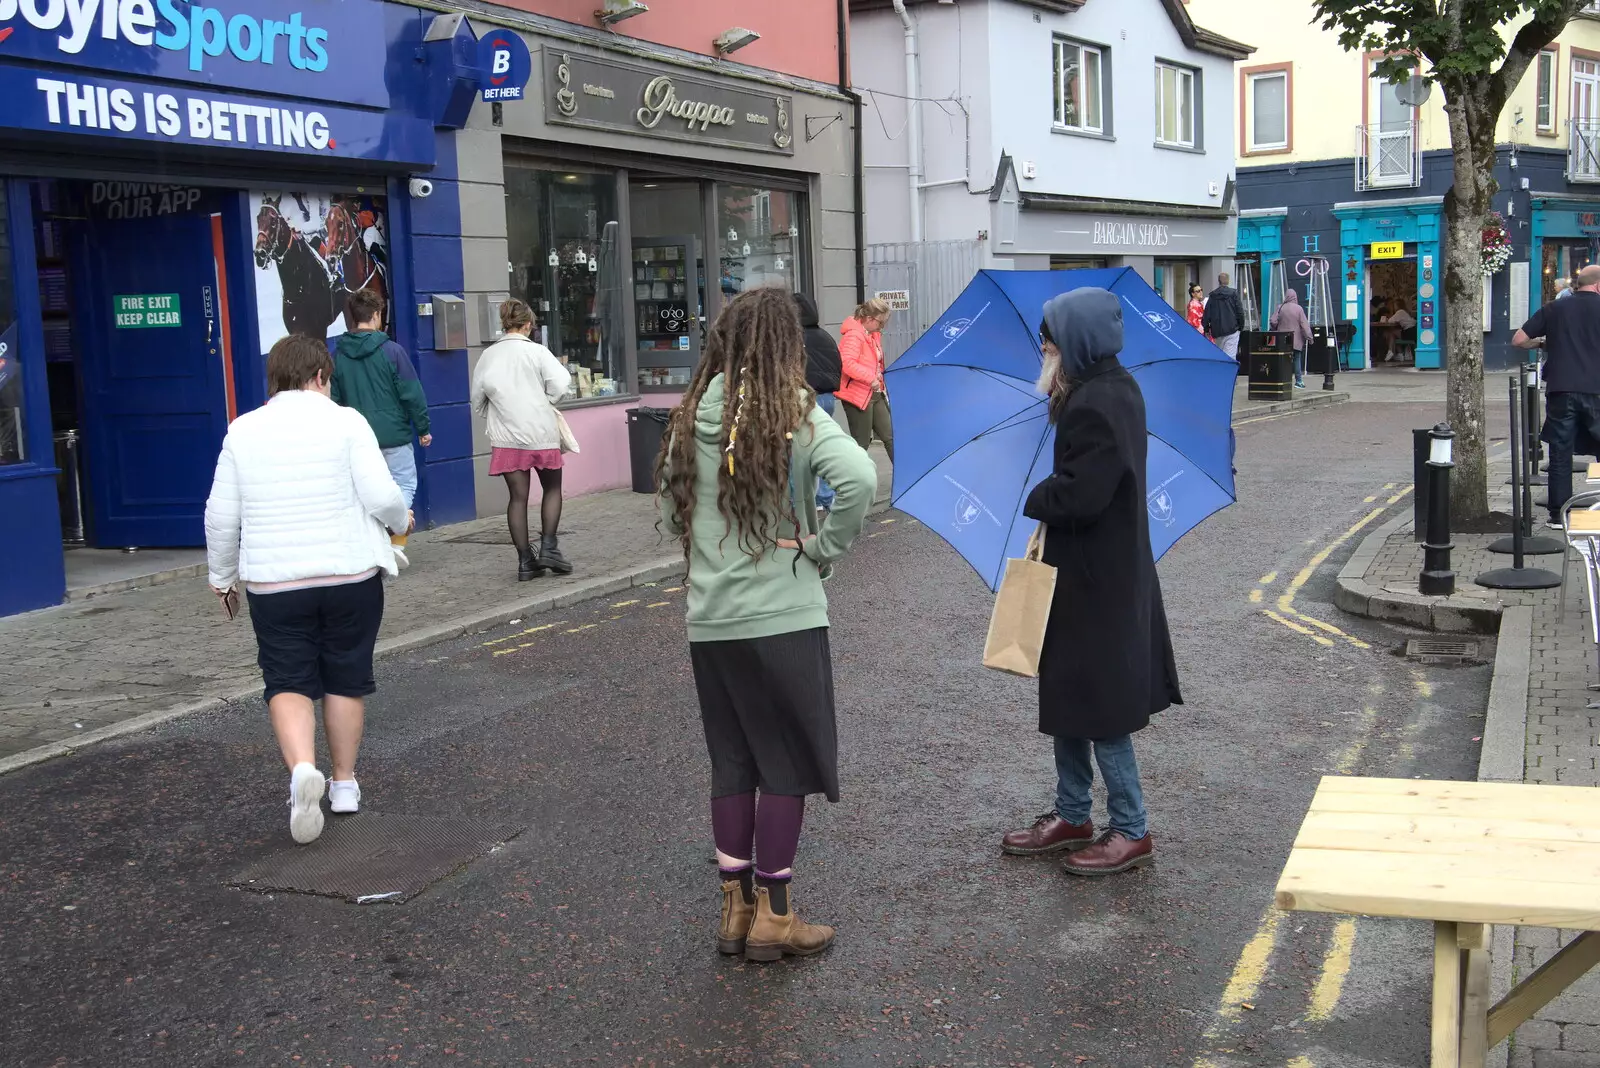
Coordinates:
[519,483]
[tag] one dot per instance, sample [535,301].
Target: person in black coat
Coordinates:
[1106,665]
[824,369]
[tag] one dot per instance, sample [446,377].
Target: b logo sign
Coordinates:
[505,64]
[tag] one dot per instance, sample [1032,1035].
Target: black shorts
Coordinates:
[318,641]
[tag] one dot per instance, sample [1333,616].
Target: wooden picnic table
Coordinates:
[1461,855]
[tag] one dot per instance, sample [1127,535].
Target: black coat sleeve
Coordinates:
[1089,468]
[824,367]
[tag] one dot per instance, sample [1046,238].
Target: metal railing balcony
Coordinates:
[1583,151]
[1388,156]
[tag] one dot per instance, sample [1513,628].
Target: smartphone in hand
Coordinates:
[230,602]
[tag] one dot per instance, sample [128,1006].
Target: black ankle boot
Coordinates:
[528,567]
[550,557]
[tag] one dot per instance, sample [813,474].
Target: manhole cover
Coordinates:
[376,856]
[1441,651]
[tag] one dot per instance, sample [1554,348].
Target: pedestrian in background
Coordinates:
[1291,318]
[301,511]
[866,405]
[823,372]
[1569,332]
[1106,665]
[375,376]
[514,390]
[737,472]
[1197,307]
[1224,316]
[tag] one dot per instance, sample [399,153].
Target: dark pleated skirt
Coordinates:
[767,708]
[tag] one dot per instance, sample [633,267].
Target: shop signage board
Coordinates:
[313,50]
[1388,250]
[506,62]
[660,101]
[139,311]
[899,299]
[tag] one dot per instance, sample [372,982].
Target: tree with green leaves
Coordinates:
[1476,52]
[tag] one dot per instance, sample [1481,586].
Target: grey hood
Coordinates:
[1086,325]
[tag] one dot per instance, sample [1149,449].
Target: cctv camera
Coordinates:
[421,187]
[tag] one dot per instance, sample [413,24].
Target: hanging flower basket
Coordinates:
[1496,244]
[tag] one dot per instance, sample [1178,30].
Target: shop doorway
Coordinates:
[1392,311]
[670,302]
[1173,279]
[135,324]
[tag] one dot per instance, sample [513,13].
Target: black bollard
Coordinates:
[1522,540]
[1530,427]
[1437,580]
[1517,577]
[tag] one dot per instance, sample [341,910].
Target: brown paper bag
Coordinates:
[1021,613]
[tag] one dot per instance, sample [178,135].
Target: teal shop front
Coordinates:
[1415,226]
[1261,241]
[1566,237]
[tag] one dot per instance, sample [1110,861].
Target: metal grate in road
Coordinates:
[376,856]
[1441,650]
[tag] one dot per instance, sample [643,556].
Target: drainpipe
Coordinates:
[860,219]
[913,119]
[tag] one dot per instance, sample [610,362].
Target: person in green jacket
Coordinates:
[738,476]
[375,376]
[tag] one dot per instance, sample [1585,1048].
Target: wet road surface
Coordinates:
[589,937]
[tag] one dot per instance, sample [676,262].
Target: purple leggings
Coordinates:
[771,830]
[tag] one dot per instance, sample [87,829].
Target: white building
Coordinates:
[1051,133]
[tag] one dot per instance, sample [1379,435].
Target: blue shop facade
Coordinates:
[1383,247]
[180,186]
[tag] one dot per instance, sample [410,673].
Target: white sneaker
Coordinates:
[1555,524]
[344,797]
[306,787]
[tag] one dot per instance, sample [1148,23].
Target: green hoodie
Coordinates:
[731,594]
[374,376]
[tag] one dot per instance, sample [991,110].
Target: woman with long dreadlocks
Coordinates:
[738,474]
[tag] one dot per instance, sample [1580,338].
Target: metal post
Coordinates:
[1530,426]
[1522,541]
[1517,577]
[1437,580]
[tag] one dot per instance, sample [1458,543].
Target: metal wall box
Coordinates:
[449,322]
[489,315]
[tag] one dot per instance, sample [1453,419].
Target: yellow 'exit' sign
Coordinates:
[1388,250]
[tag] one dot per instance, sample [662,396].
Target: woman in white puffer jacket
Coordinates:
[300,511]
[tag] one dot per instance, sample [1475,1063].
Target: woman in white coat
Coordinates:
[301,510]
[514,390]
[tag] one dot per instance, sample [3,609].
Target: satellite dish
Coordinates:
[1413,92]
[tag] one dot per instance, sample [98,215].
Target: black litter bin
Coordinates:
[1270,362]
[646,426]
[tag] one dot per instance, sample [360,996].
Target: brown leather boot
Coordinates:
[737,916]
[771,936]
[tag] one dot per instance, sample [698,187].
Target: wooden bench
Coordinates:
[1461,855]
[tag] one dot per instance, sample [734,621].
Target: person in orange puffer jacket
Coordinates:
[866,405]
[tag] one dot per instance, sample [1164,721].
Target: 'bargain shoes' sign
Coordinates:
[320,51]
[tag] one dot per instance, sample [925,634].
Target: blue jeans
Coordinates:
[402,463]
[825,491]
[1570,420]
[1075,775]
[1299,366]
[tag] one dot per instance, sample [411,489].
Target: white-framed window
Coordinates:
[1177,93]
[1267,101]
[1079,86]
[1545,108]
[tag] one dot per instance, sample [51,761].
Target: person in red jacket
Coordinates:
[866,405]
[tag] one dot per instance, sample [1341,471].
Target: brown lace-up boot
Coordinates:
[737,915]
[775,933]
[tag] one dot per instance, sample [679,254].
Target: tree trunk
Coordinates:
[1472,129]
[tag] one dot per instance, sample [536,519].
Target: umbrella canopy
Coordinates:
[973,436]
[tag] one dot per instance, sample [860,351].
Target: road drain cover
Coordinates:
[1441,651]
[376,856]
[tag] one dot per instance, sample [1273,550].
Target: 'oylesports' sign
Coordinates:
[137,311]
[310,49]
[664,102]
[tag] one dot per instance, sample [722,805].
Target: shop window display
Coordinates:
[761,231]
[12,444]
[1562,260]
[566,263]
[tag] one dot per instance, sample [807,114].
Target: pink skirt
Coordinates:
[503,461]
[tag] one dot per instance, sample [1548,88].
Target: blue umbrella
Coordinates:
[972,434]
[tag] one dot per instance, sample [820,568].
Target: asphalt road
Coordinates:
[589,938]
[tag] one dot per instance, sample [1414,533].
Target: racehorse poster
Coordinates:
[313,248]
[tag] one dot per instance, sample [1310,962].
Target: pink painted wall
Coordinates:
[602,433]
[797,36]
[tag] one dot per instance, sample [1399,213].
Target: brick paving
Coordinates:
[1561,747]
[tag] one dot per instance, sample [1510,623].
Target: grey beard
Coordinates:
[1050,376]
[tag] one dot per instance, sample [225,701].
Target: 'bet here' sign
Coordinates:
[142,310]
